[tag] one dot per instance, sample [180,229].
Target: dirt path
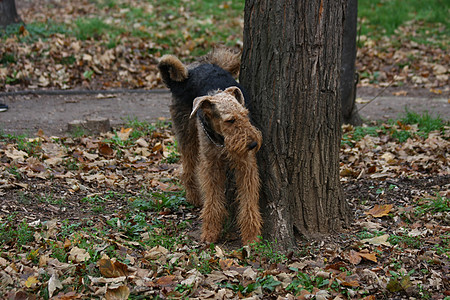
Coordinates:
[52,113]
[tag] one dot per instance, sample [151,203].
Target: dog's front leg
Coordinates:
[248,183]
[211,175]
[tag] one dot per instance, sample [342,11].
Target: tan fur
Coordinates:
[214,160]
[177,70]
[225,58]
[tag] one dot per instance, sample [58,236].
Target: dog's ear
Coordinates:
[201,102]
[236,93]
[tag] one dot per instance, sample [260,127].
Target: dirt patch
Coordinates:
[52,113]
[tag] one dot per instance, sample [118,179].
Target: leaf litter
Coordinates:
[105,216]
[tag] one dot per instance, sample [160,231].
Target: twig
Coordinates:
[381,92]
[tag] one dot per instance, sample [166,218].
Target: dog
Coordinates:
[214,133]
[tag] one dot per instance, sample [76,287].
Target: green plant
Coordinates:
[88,74]
[365,234]
[266,249]
[7,58]
[30,146]
[14,231]
[159,201]
[406,240]
[78,131]
[34,31]
[49,198]
[425,122]
[401,135]
[14,171]
[359,132]
[433,205]
[304,282]
[173,156]
[58,252]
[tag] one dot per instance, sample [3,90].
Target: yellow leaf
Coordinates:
[31,281]
[124,133]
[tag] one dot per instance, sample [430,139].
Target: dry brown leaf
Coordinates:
[112,268]
[79,255]
[120,293]
[354,257]
[226,264]
[166,280]
[368,256]
[53,284]
[379,211]
[105,150]
[378,240]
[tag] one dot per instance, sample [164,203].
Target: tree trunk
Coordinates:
[348,75]
[290,66]
[8,13]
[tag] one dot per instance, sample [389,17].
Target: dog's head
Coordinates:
[226,121]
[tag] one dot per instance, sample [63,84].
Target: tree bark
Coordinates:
[290,66]
[8,13]
[348,75]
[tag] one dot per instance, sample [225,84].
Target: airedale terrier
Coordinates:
[214,134]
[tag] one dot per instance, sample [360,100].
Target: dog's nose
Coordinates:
[252,145]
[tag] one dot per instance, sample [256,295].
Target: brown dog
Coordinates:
[214,133]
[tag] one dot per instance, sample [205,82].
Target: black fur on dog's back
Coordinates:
[202,79]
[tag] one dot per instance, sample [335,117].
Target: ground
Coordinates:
[117,195]
[52,113]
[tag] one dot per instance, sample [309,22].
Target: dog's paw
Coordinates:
[208,237]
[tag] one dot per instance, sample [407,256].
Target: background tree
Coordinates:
[290,65]
[8,13]
[348,75]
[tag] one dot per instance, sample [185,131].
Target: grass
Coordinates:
[13,231]
[383,17]
[425,122]
[400,130]
[439,204]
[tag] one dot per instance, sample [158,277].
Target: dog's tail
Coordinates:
[172,69]
[225,58]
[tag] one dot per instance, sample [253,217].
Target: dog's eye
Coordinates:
[231,121]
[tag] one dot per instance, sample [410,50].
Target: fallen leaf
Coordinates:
[354,257]
[31,281]
[379,211]
[79,255]
[368,256]
[112,268]
[120,293]
[124,133]
[105,150]
[378,240]
[53,284]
